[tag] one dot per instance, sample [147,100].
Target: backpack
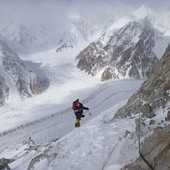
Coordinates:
[74,104]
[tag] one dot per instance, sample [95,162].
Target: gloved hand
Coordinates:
[87,108]
[82,116]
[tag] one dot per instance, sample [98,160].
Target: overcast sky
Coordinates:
[156,4]
[36,11]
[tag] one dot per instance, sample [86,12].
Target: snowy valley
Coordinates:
[116,62]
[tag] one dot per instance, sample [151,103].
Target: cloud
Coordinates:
[154,4]
[56,14]
[29,12]
[99,10]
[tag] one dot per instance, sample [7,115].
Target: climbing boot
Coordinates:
[77,124]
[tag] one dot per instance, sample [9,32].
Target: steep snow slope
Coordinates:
[84,148]
[100,143]
[49,116]
[88,147]
[47,122]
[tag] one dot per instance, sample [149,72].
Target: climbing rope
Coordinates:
[107,104]
[109,155]
[139,142]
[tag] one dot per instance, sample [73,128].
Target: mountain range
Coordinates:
[127,48]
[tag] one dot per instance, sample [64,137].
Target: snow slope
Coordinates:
[48,116]
[51,109]
[98,144]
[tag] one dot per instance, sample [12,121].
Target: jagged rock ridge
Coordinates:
[153,95]
[129,52]
[155,92]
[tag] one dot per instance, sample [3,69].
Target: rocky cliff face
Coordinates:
[156,150]
[152,100]
[4,90]
[155,92]
[128,52]
[16,78]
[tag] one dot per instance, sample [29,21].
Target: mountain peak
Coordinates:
[145,22]
[128,52]
[142,11]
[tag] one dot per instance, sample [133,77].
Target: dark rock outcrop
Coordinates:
[4,163]
[153,93]
[4,90]
[156,150]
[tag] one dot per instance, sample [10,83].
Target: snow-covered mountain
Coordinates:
[60,29]
[128,52]
[30,38]
[79,31]
[16,79]
[159,19]
[39,34]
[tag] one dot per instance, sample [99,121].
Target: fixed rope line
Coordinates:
[109,156]
[106,105]
[94,94]
[139,142]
